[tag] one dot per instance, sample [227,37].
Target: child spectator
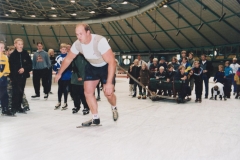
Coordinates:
[4,71]
[144,79]
[25,103]
[183,55]
[161,75]
[64,82]
[217,89]
[136,74]
[131,81]
[77,81]
[197,74]
[191,59]
[186,64]
[20,66]
[219,76]
[237,81]
[228,79]
[175,63]
[170,75]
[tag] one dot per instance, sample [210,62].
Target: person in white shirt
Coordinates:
[234,67]
[217,89]
[101,67]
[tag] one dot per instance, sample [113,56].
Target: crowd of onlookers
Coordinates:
[193,72]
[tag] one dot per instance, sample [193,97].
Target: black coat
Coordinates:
[209,67]
[19,60]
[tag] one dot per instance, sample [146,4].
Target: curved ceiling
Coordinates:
[182,24]
[58,10]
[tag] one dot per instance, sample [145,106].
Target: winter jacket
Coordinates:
[197,74]
[209,67]
[19,60]
[152,70]
[41,60]
[4,69]
[161,75]
[228,72]
[170,75]
[136,71]
[78,68]
[144,76]
[162,64]
[237,77]
[66,75]
[219,77]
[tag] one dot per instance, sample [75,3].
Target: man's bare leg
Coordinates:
[89,89]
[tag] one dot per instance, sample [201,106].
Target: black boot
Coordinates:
[85,111]
[75,110]
[21,110]
[7,113]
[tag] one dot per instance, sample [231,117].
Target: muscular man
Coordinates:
[101,67]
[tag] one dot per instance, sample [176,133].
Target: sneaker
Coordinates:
[57,105]
[65,105]
[26,108]
[85,111]
[75,110]
[90,122]
[35,97]
[115,114]
[45,96]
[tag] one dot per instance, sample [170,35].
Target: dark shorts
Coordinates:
[97,73]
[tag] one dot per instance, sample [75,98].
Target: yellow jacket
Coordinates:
[237,79]
[4,65]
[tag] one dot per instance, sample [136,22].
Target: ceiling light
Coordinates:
[12,10]
[33,15]
[54,15]
[6,15]
[72,1]
[74,14]
[53,8]
[125,2]
[109,8]
[165,6]
[92,12]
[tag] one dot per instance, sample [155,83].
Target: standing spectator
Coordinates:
[234,67]
[183,55]
[186,64]
[207,68]
[191,59]
[237,81]
[144,79]
[64,81]
[77,81]
[150,61]
[41,65]
[20,66]
[53,61]
[153,68]
[170,74]
[25,103]
[219,76]
[136,74]
[4,71]
[163,63]
[131,81]
[197,74]
[228,73]
[175,63]
[140,61]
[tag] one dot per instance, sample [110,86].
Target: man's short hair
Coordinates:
[161,67]
[185,52]
[155,59]
[39,43]
[85,25]
[169,66]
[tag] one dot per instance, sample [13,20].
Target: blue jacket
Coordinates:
[228,71]
[66,75]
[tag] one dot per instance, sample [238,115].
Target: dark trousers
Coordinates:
[39,74]
[135,88]
[50,79]
[78,96]
[63,86]
[18,86]
[198,88]
[227,87]
[206,81]
[238,90]
[4,98]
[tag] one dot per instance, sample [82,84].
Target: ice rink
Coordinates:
[146,130]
